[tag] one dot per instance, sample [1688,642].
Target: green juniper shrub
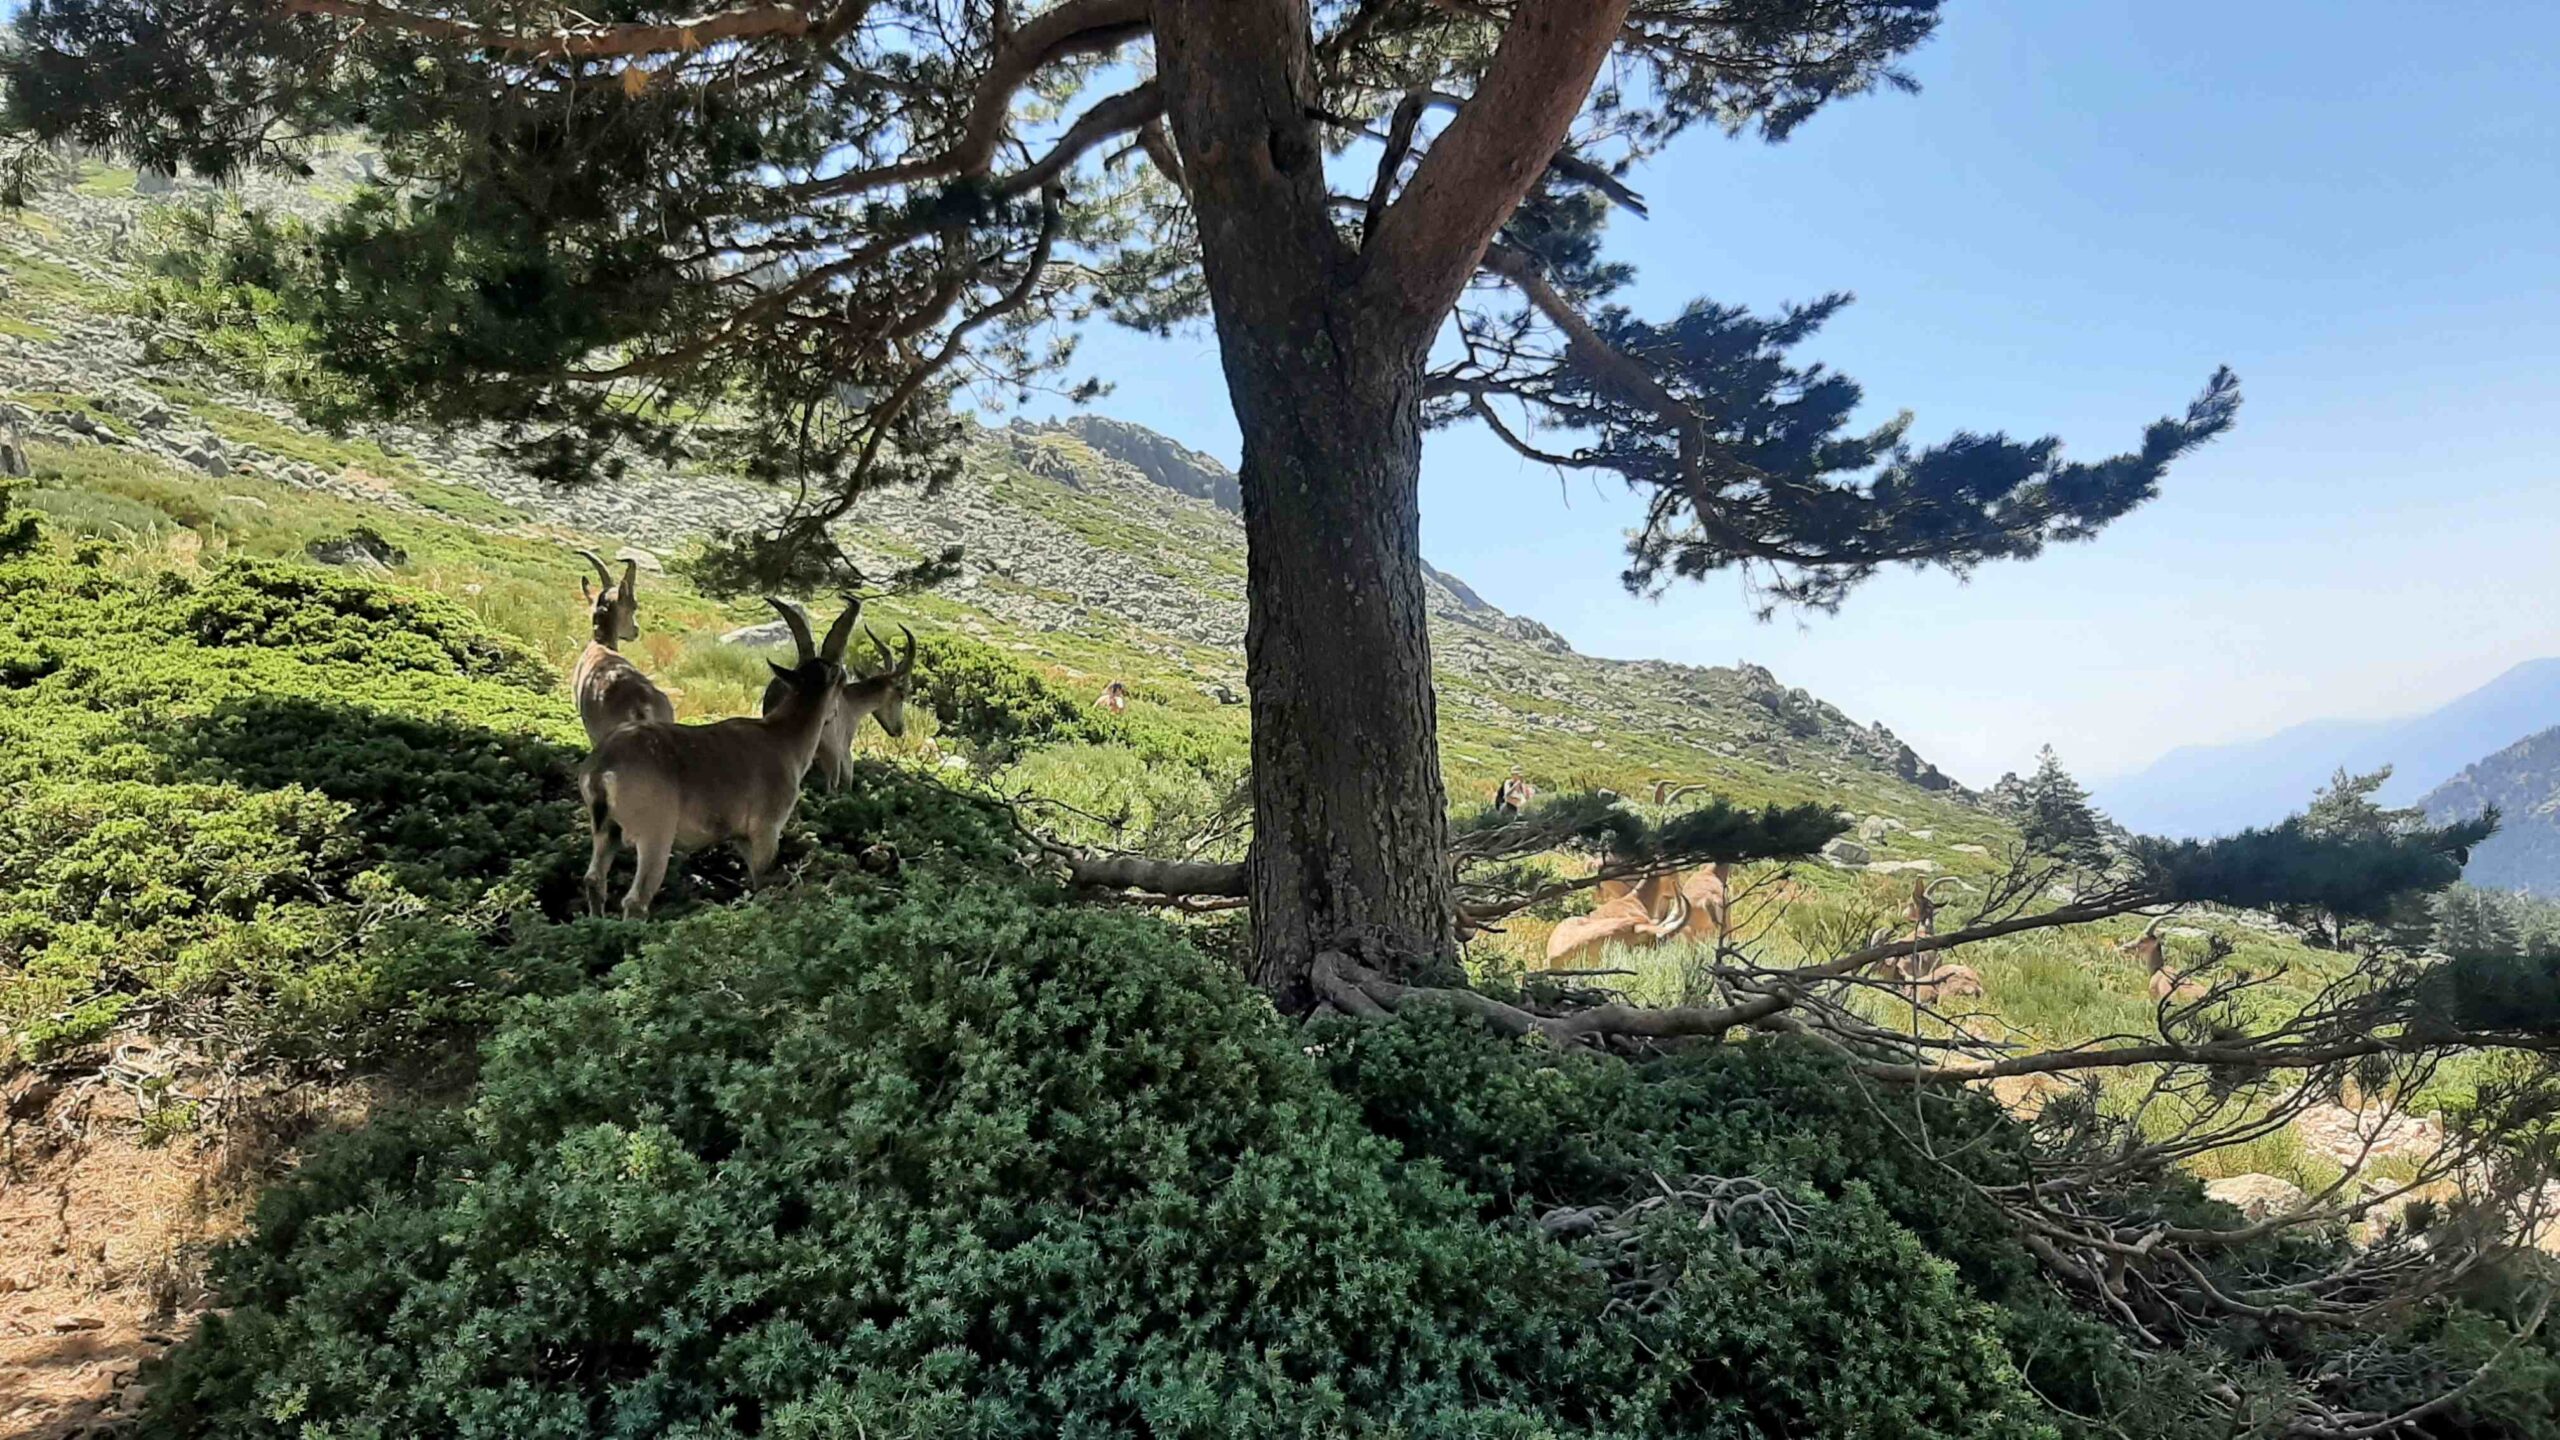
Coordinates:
[118,888]
[1001,708]
[1533,1130]
[959,1163]
[17,532]
[328,616]
[216,791]
[455,809]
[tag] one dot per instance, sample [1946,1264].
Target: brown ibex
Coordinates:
[1651,910]
[2167,984]
[1625,918]
[1930,980]
[611,691]
[664,785]
[882,697]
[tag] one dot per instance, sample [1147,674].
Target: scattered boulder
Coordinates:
[210,462]
[2256,1197]
[2345,1135]
[1847,853]
[358,549]
[13,453]
[771,632]
[641,558]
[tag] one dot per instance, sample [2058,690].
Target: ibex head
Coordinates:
[817,669]
[615,608]
[889,686]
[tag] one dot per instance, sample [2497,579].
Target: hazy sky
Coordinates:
[2088,207]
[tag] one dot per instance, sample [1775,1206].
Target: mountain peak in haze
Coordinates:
[2216,789]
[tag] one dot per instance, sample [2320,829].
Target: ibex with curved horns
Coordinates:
[610,690]
[664,785]
[883,697]
[1656,909]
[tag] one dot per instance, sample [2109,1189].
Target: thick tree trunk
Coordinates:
[1350,819]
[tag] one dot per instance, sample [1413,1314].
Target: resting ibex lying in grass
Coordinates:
[1654,910]
[664,785]
[611,690]
[882,697]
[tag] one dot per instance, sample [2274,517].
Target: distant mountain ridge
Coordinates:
[2523,782]
[2215,789]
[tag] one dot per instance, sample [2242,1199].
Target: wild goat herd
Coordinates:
[662,784]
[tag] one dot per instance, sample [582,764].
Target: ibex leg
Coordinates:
[651,874]
[600,866]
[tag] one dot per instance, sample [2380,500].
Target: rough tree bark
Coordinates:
[1350,818]
[1324,345]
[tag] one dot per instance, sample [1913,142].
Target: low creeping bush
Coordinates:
[961,1163]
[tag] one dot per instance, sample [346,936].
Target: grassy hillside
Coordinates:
[1093,555]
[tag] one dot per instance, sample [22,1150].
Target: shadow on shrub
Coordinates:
[455,810]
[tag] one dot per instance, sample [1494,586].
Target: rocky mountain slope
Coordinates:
[2523,781]
[2216,789]
[1093,544]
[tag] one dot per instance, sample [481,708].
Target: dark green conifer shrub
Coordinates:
[958,1163]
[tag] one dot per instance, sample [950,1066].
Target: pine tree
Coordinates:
[2473,921]
[594,222]
[2345,809]
[2055,815]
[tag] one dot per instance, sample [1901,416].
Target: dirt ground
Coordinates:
[105,1225]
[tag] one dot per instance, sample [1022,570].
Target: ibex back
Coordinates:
[664,785]
[611,691]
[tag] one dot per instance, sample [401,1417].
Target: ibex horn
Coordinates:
[630,577]
[799,624]
[897,665]
[1675,922]
[604,576]
[839,632]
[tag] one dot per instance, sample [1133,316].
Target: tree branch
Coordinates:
[1646,1022]
[1161,877]
[1391,163]
[588,41]
[1078,27]
[1505,136]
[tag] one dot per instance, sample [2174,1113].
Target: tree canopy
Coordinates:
[591,222]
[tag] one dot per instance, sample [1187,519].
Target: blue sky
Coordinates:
[2089,206]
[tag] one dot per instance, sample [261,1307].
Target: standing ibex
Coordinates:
[664,785]
[611,691]
[882,696]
